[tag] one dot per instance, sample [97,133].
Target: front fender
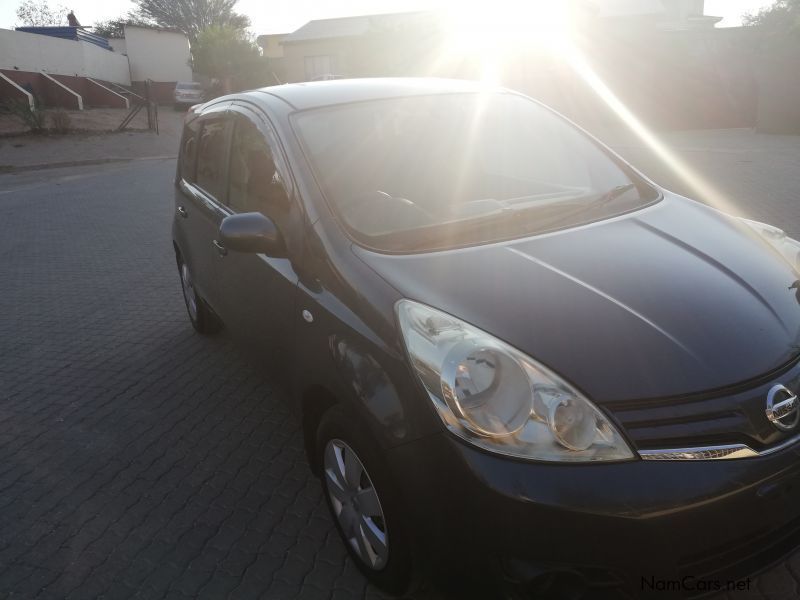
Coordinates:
[340,352]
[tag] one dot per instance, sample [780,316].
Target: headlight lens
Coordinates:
[485,388]
[788,247]
[495,397]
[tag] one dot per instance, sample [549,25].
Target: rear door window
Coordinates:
[212,148]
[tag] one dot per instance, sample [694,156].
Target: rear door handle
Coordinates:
[182,212]
[222,250]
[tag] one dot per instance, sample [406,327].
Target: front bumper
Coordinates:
[645,522]
[188,101]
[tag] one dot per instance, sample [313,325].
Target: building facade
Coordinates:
[70,68]
[43,70]
[159,55]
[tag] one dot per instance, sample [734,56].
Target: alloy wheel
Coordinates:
[356,505]
[189,294]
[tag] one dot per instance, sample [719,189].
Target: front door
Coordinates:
[260,290]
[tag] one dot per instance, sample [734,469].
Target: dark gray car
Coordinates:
[511,353]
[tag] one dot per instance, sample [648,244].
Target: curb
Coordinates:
[78,163]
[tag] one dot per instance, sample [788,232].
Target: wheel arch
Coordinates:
[315,401]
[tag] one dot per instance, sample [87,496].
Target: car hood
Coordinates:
[673,299]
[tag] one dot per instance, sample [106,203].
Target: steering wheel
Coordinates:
[377,211]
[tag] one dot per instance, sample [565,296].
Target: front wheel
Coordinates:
[364,503]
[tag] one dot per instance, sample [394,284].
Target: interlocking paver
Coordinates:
[138,459]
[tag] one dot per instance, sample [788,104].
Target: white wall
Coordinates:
[272,44]
[118,45]
[34,52]
[105,64]
[157,54]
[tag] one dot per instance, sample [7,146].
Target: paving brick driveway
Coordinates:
[138,459]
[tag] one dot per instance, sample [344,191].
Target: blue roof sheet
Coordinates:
[69,33]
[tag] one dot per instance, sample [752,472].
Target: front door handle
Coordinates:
[222,250]
[182,212]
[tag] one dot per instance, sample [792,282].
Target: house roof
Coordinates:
[639,8]
[628,8]
[341,27]
[153,28]
[262,39]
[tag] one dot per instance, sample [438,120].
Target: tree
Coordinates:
[227,54]
[782,16]
[37,13]
[191,16]
[115,28]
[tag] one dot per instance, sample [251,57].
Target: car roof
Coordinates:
[315,94]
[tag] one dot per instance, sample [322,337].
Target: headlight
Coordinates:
[788,247]
[495,397]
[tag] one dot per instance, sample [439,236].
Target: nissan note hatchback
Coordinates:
[510,352]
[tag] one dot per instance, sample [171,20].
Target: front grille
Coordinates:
[734,416]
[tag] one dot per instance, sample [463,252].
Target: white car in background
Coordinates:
[188,93]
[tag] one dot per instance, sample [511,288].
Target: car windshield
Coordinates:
[189,86]
[427,172]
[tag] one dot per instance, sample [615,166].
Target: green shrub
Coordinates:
[60,121]
[33,119]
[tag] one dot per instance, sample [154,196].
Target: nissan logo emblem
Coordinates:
[782,408]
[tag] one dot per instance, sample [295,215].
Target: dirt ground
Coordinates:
[33,151]
[89,120]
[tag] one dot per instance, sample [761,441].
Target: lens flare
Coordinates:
[704,189]
[492,37]
[490,42]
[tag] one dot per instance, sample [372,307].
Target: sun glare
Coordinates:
[493,35]
[583,69]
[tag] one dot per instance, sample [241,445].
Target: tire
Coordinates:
[367,509]
[203,320]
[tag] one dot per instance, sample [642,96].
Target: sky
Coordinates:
[279,16]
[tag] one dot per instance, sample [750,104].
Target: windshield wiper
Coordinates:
[508,220]
[593,205]
[613,193]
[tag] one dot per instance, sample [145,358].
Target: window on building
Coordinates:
[318,67]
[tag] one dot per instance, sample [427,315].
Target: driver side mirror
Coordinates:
[251,232]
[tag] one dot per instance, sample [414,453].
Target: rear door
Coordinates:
[205,195]
[260,291]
